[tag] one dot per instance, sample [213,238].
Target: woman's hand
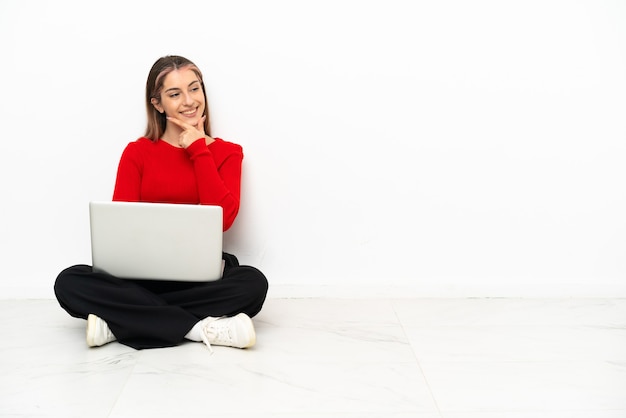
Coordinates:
[190,133]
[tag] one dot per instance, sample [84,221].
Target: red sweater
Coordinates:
[161,173]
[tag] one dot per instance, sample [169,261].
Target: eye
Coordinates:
[174,95]
[194,89]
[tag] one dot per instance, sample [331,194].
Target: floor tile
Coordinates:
[536,414]
[331,331]
[286,388]
[525,387]
[517,343]
[319,358]
[610,313]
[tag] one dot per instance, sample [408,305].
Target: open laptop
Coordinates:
[156,241]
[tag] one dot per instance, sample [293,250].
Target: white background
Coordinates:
[449,148]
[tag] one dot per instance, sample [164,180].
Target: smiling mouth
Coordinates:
[189,112]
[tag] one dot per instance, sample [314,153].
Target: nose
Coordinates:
[188,99]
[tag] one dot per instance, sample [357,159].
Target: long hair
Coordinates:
[154,85]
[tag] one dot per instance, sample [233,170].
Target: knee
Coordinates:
[66,280]
[258,287]
[253,285]
[257,281]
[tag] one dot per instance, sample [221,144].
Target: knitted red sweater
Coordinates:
[161,173]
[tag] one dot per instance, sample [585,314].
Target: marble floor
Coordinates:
[319,357]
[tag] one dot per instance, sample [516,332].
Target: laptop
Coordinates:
[156,241]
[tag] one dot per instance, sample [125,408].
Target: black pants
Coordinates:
[150,314]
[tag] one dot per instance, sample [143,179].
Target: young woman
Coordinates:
[177,161]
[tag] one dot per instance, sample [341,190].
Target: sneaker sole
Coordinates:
[251,330]
[92,325]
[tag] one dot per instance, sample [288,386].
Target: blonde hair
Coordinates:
[154,85]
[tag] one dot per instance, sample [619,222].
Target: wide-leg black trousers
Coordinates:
[151,314]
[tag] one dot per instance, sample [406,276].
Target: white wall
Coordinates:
[455,148]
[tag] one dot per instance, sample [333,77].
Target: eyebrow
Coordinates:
[176,88]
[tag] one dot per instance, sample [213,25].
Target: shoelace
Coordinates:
[222,333]
[205,339]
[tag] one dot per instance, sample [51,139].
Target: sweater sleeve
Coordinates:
[218,175]
[128,180]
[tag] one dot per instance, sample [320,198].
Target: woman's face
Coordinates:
[182,97]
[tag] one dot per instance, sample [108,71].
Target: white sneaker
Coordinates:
[236,331]
[98,332]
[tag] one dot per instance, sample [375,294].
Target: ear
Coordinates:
[156,105]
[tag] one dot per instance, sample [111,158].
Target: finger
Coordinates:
[181,140]
[200,124]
